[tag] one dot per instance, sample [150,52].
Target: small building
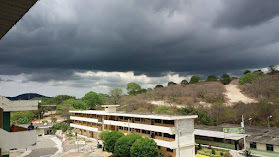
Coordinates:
[41,128]
[174,135]
[258,138]
[21,137]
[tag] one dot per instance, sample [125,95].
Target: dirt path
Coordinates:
[234,95]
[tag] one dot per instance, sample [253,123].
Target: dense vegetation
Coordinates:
[132,145]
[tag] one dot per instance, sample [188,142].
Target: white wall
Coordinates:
[261,146]
[170,130]
[276,148]
[84,127]
[84,119]
[18,140]
[186,152]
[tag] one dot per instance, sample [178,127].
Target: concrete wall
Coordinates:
[18,140]
[21,105]
[186,152]
[276,148]
[261,146]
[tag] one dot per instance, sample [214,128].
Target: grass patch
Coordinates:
[72,142]
[88,141]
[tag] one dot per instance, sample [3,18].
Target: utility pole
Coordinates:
[242,125]
[268,122]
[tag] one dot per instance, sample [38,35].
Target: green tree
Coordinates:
[246,72]
[171,83]
[92,99]
[133,88]
[144,147]
[225,79]
[22,117]
[195,79]
[103,134]
[143,90]
[212,78]
[184,82]
[110,139]
[60,98]
[116,94]
[123,145]
[73,103]
[61,126]
[158,86]
[247,78]
[65,112]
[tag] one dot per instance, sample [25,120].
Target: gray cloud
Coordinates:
[239,13]
[58,38]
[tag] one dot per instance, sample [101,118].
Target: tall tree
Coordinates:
[246,72]
[133,88]
[123,145]
[195,79]
[116,94]
[92,99]
[111,138]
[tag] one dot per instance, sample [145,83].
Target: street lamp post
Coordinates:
[268,122]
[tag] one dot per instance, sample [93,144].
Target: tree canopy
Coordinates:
[159,86]
[133,88]
[124,144]
[116,94]
[184,82]
[144,147]
[195,79]
[110,139]
[171,83]
[212,78]
[225,79]
[92,99]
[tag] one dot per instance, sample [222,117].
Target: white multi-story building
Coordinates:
[174,135]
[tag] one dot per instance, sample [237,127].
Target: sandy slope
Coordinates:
[234,95]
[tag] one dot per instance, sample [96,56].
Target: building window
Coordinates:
[120,117]
[170,122]
[169,150]
[269,147]
[169,136]
[145,132]
[158,134]
[138,130]
[125,128]
[159,147]
[127,118]
[253,145]
[137,119]
[158,121]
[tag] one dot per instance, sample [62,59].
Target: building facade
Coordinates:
[174,135]
[20,138]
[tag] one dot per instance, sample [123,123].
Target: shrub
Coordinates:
[22,117]
[144,147]
[195,79]
[225,79]
[213,151]
[247,78]
[212,78]
[123,145]
[110,139]
[61,126]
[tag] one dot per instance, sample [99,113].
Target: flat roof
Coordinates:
[11,11]
[258,134]
[151,116]
[219,134]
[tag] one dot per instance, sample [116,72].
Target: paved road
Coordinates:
[44,147]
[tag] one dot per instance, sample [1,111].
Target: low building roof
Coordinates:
[258,134]
[218,134]
[151,116]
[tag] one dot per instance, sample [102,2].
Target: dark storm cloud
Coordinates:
[241,13]
[57,38]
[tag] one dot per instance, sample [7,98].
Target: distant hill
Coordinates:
[26,96]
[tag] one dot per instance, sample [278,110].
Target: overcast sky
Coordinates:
[76,46]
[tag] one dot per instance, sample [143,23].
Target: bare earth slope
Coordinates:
[234,95]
